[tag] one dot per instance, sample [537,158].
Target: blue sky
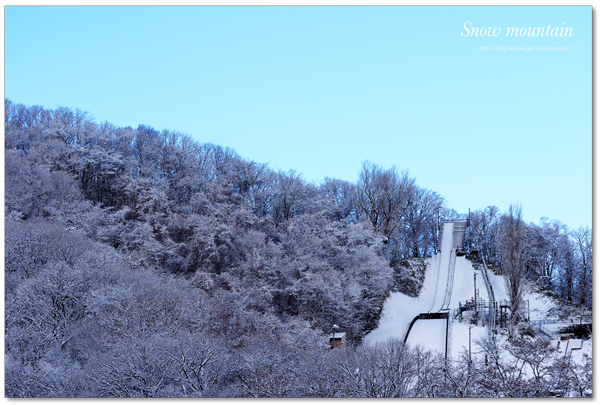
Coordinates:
[321,89]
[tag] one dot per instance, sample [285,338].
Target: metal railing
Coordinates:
[492,311]
[547,332]
[556,321]
[488,282]
[567,348]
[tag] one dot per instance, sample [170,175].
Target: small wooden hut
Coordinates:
[340,339]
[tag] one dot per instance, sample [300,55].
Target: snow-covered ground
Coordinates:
[460,338]
[399,309]
[463,288]
[499,286]
[398,312]
[566,347]
[539,306]
[426,332]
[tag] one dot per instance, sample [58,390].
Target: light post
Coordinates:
[470,327]
[334,328]
[475,290]
[528,315]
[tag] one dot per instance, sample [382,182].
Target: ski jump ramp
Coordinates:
[437,293]
[432,328]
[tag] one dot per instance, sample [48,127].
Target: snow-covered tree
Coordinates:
[512,263]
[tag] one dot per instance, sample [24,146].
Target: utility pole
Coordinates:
[475,290]
[528,316]
[470,327]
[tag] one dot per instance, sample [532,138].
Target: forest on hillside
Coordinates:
[143,263]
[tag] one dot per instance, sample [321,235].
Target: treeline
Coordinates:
[554,258]
[163,201]
[143,263]
[164,188]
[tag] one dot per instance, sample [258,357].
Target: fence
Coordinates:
[547,332]
[558,321]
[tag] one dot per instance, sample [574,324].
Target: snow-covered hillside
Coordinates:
[399,309]
[431,334]
[440,284]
